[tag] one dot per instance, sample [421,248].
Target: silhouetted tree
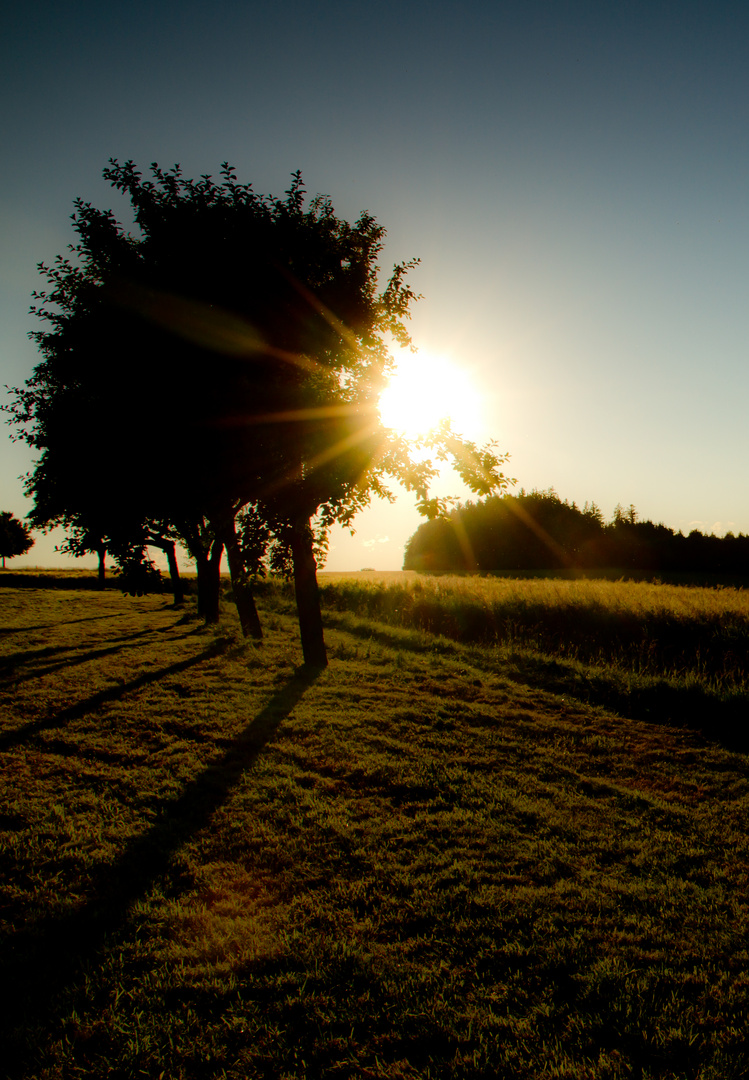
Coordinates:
[76,493]
[15,537]
[531,530]
[130,540]
[62,498]
[163,536]
[231,352]
[137,574]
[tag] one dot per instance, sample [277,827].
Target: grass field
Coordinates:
[434,859]
[661,652]
[652,629]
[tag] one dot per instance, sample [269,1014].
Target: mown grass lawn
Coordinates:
[413,864]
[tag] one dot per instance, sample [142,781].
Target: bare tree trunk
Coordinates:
[101,551]
[201,568]
[169,549]
[245,601]
[209,581]
[307,595]
[177,591]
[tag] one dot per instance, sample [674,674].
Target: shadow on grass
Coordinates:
[48,958]
[74,712]
[718,718]
[722,718]
[10,663]
[407,638]
[61,622]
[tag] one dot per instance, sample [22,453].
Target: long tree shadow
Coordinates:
[66,656]
[60,622]
[10,663]
[75,712]
[45,960]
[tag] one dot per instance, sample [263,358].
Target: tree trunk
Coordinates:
[307,595]
[177,591]
[101,551]
[169,549]
[201,568]
[209,581]
[245,601]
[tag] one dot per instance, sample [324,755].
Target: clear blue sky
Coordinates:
[572,175]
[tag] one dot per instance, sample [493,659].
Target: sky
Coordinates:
[573,177]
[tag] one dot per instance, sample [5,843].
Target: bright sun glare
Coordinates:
[426,389]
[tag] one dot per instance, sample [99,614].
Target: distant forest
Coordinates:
[538,531]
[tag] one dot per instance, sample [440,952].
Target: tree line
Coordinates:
[537,530]
[211,377]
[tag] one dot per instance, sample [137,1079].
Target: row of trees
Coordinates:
[538,531]
[212,378]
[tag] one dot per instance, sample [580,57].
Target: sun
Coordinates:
[426,389]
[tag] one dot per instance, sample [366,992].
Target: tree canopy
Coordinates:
[15,537]
[227,351]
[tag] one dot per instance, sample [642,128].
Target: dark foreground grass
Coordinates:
[417,863]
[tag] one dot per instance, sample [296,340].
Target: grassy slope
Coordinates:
[416,864]
[655,652]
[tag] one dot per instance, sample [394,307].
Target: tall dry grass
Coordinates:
[648,629]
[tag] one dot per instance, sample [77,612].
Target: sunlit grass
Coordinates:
[617,597]
[695,634]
